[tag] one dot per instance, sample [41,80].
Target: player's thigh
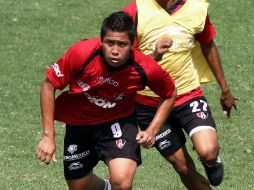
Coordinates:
[145,115]
[196,119]
[118,140]
[80,155]
[81,183]
[169,139]
[122,171]
[205,142]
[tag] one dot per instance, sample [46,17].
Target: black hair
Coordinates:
[119,22]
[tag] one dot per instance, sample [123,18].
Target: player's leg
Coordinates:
[202,131]
[208,150]
[185,167]
[176,154]
[118,147]
[206,145]
[79,159]
[122,171]
[88,182]
[170,143]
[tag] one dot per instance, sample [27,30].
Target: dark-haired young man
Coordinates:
[103,76]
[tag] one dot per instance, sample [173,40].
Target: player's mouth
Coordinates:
[115,60]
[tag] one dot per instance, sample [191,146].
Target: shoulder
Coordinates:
[131,9]
[146,62]
[208,34]
[81,50]
[86,46]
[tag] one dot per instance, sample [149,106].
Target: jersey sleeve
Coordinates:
[208,34]
[131,9]
[159,81]
[64,71]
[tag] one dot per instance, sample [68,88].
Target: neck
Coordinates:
[165,4]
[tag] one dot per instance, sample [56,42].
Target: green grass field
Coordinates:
[33,34]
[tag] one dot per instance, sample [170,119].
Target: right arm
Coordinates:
[211,54]
[47,145]
[59,75]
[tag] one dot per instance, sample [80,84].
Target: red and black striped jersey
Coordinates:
[96,93]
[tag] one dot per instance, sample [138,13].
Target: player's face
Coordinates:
[116,48]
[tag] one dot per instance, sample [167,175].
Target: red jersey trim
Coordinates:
[180,99]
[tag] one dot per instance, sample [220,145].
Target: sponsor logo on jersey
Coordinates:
[120,143]
[108,80]
[57,70]
[72,148]
[161,135]
[164,144]
[83,85]
[75,166]
[100,101]
[119,97]
[181,38]
[202,115]
[77,156]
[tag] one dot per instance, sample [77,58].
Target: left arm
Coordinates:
[160,82]
[147,138]
[211,54]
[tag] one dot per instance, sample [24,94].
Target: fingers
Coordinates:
[164,44]
[235,99]
[228,104]
[45,157]
[226,113]
[145,140]
[54,157]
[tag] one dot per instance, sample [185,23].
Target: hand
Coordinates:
[227,101]
[45,151]
[161,47]
[145,139]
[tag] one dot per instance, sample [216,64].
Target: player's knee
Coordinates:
[209,154]
[121,183]
[121,186]
[182,168]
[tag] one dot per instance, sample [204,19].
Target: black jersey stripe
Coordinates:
[90,58]
[140,70]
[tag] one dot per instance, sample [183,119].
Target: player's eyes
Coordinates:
[122,44]
[110,43]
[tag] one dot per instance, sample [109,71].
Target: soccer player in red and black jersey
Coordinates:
[103,76]
[172,27]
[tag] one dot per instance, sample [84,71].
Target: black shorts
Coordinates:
[85,146]
[191,116]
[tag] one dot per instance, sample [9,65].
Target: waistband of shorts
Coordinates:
[180,99]
[148,100]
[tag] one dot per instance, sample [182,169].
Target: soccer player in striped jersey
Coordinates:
[103,76]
